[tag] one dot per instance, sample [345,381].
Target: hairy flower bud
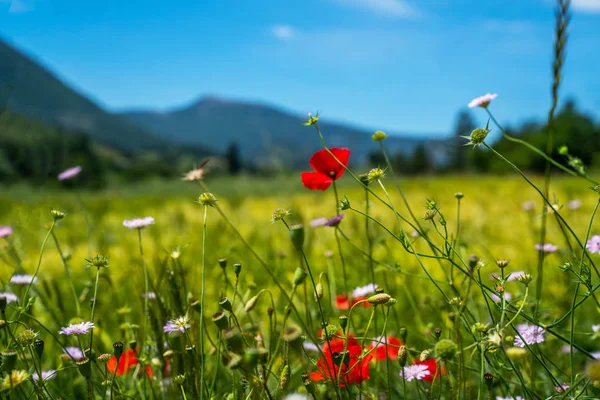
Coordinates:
[299,276]
[380,298]
[297,236]
[376,174]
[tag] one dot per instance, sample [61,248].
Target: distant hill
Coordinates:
[264,134]
[28,89]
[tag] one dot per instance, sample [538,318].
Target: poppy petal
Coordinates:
[315,180]
[326,164]
[316,376]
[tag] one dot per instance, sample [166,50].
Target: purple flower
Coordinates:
[482,101]
[574,205]
[334,221]
[362,291]
[138,223]
[315,223]
[69,173]
[74,352]
[10,297]
[498,299]
[179,324]
[46,375]
[515,275]
[415,234]
[532,334]
[546,248]
[82,328]
[5,231]
[561,387]
[309,346]
[593,245]
[22,279]
[416,371]
[596,355]
[149,295]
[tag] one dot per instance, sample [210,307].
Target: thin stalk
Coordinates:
[202,287]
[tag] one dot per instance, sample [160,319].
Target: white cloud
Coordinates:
[387,8]
[19,7]
[283,32]
[588,6]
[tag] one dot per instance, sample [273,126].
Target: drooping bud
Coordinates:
[297,236]
[299,276]
[318,291]
[251,303]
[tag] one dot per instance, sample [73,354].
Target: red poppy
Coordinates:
[432,365]
[127,362]
[326,168]
[345,302]
[393,347]
[328,369]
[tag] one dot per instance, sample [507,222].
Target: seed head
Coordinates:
[312,119]
[502,263]
[104,357]
[97,262]
[429,215]
[26,337]
[279,214]
[477,137]
[375,174]
[57,215]
[525,279]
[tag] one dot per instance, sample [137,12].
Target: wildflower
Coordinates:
[375,174]
[138,223]
[525,279]
[326,168]
[69,173]
[127,362]
[149,295]
[312,120]
[207,199]
[482,101]
[507,296]
[574,205]
[432,367]
[82,328]
[197,174]
[546,247]
[414,234]
[9,297]
[334,221]
[379,136]
[46,375]
[595,328]
[415,371]
[362,291]
[328,367]
[317,222]
[22,279]
[309,346]
[26,337]
[561,388]
[14,379]
[392,345]
[595,354]
[528,205]
[515,276]
[531,334]
[593,245]
[5,231]
[74,352]
[179,324]
[429,215]
[342,302]
[279,214]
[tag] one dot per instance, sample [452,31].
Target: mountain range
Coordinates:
[263,133]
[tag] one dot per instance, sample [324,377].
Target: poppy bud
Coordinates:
[402,356]
[118,349]
[403,333]
[225,304]
[380,298]
[85,367]
[343,322]
[297,236]
[223,263]
[220,319]
[9,359]
[251,303]
[38,346]
[299,276]
[237,268]
[489,380]
[318,291]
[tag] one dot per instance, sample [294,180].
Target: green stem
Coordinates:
[202,303]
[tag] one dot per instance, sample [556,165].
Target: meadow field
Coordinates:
[460,312]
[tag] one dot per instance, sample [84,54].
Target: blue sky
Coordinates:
[397,65]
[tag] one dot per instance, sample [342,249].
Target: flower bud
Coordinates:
[459,195]
[57,215]
[318,291]
[207,200]
[343,319]
[501,263]
[380,298]
[525,279]
[364,179]
[85,367]
[299,276]
[297,236]
[344,204]
[104,357]
[402,334]
[402,356]
[376,174]
[179,379]
[251,303]
[118,349]
[225,304]
[379,136]
[489,380]
[221,320]
[223,263]
[425,355]
[237,268]
[429,215]
[437,332]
